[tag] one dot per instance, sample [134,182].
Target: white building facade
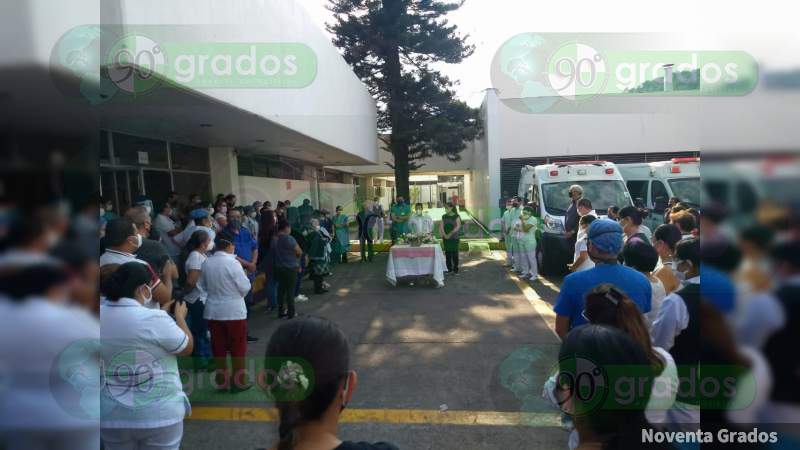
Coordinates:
[246,97]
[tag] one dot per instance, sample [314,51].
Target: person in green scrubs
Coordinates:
[449,229]
[341,243]
[525,230]
[401,212]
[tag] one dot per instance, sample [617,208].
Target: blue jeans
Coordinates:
[272,291]
[199,328]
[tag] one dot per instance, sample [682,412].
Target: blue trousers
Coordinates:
[199,328]
[272,291]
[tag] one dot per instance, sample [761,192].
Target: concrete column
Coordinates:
[224,171]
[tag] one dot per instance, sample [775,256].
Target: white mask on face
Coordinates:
[138,241]
[253,215]
[149,296]
[681,274]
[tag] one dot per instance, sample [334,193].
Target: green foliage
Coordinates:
[391,45]
[687,80]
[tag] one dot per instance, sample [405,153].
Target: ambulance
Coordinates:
[652,185]
[546,187]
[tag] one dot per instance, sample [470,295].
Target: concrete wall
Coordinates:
[434,164]
[272,189]
[262,189]
[337,194]
[482,189]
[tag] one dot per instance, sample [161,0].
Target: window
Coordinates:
[193,183]
[139,151]
[659,196]
[185,157]
[746,196]
[602,193]
[158,185]
[638,190]
[717,191]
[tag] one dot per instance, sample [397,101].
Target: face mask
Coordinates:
[508,207]
[211,211]
[149,209]
[223,209]
[52,239]
[681,274]
[235,223]
[149,297]
[253,215]
[138,241]
[109,207]
[419,212]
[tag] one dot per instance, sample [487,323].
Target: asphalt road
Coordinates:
[455,368]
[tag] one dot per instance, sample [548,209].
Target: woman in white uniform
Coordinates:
[143,403]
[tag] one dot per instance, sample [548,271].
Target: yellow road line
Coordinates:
[543,308]
[547,283]
[390,416]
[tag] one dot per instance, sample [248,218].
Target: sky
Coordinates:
[769,32]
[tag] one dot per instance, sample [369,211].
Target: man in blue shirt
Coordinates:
[604,245]
[246,245]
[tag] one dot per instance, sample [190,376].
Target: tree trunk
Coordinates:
[394,77]
[401,172]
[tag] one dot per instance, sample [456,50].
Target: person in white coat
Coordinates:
[226,284]
[143,403]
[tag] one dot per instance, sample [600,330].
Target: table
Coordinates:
[408,261]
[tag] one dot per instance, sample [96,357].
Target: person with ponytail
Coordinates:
[192,259]
[313,421]
[131,417]
[607,305]
[607,425]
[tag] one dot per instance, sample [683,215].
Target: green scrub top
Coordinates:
[403,210]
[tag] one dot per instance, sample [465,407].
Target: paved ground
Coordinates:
[479,349]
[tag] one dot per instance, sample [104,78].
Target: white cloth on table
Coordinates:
[400,266]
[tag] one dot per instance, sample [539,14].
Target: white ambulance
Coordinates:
[546,188]
[652,185]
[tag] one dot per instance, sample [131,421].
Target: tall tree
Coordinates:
[391,45]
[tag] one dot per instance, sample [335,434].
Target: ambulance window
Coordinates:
[638,190]
[717,191]
[659,196]
[747,198]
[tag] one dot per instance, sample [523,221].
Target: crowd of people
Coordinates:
[177,280]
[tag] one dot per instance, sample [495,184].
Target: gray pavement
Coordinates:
[476,345]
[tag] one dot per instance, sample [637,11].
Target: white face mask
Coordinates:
[681,274]
[149,297]
[253,215]
[138,241]
[149,209]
